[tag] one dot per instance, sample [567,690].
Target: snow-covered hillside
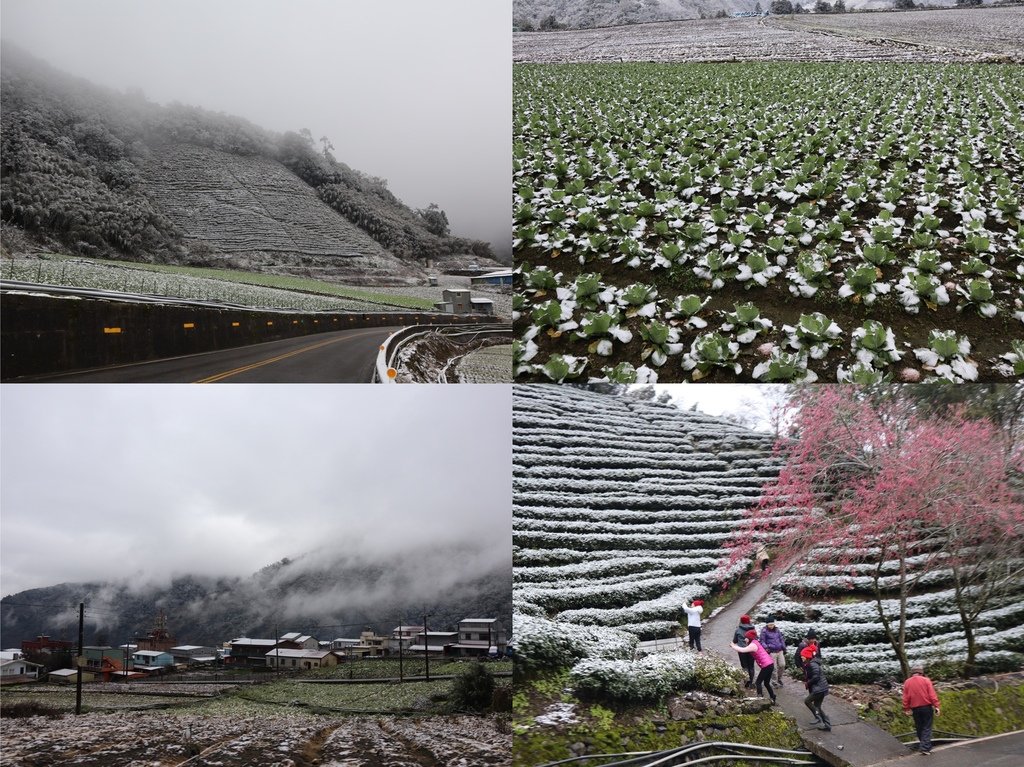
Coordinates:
[621,507]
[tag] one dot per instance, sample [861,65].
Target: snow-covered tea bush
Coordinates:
[651,677]
[544,644]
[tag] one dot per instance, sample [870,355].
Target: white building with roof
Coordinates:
[481,636]
[300,659]
[17,668]
[296,640]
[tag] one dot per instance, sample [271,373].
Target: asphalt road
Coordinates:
[345,356]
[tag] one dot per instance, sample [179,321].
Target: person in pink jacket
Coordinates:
[764,662]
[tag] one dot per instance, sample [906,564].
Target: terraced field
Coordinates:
[923,36]
[492,364]
[251,204]
[838,603]
[621,512]
[621,508]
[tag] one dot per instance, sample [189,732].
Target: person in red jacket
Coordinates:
[921,701]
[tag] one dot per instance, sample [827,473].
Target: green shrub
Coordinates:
[473,689]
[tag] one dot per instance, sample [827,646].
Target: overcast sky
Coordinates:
[100,482]
[752,402]
[418,92]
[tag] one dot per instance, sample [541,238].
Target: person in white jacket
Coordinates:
[693,612]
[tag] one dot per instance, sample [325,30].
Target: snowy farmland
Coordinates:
[922,36]
[768,222]
[621,508]
[266,739]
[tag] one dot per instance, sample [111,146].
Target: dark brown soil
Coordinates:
[989,337]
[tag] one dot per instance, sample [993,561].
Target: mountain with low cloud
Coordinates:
[91,171]
[322,593]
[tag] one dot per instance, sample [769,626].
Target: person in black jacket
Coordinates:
[816,684]
[746,659]
[811,638]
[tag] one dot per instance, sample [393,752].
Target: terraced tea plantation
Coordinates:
[769,222]
[838,602]
[621,508]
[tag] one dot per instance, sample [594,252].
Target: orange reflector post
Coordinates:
[189,325]
[392,372]
[235,324]
[111,331]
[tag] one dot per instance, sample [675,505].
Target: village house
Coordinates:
[247,651]
[503,277]
[402,637]
[480,636]
[94,656]
[341,643]
[300,659]
[69,675]
[43,643]
[152,661]
[297,641]
[18,670]
[434,642]
[158,639]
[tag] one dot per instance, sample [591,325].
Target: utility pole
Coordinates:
[401,641]
[80,658]
[426,645]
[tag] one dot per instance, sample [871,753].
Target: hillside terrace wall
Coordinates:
[41,335]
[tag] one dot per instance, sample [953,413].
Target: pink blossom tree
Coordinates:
[872,479]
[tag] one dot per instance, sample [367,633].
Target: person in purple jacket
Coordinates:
[763,660]
[775,645]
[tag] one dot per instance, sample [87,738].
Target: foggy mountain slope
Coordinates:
[326,595]
[78,175]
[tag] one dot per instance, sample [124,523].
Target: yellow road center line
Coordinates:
[245,368]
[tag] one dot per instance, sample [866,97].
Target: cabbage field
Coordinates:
[768,222]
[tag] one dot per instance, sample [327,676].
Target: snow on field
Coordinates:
[922,36]
[113,740]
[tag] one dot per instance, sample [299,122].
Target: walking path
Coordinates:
[1005,750]
[852,741]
